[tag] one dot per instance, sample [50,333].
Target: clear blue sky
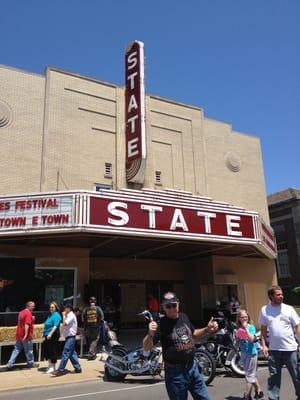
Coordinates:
[239,60]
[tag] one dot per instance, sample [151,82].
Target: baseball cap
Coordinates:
[169,298]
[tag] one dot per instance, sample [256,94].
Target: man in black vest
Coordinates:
[92,318]
[176,334]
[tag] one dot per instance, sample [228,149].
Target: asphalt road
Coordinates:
[224,387]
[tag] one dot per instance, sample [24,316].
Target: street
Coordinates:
[224,387]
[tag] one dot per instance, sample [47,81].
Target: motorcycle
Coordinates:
[223,347]
[121,361]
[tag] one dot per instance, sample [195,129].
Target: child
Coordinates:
[245,334]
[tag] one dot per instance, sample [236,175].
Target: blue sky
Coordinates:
[238,60]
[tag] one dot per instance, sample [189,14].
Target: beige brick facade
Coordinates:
[58,131]
[65,127]
[21,139]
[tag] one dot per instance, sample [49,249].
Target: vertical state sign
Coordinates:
[135,113]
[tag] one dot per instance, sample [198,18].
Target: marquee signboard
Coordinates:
[135,130]
[31,212]
[178,215]
[173,221]
[147,213]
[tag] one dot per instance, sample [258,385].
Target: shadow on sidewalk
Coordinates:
[143,380]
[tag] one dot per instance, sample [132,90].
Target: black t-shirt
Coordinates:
[176,336]
[92,316]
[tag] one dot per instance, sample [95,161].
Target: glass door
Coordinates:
[55,284]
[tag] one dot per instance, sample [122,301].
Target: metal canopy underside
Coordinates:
[134,247]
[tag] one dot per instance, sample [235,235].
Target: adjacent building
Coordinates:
[284,209]
[74,221]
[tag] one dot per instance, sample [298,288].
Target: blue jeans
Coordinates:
[181,380]
[277,359]
[20,345]
[69,353]
[103,334]
[92,336]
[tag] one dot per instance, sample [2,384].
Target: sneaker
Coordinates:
[50,370]
[247,397]
[59,373]
[8,368]
[34,365]
[259,395]
[77,370]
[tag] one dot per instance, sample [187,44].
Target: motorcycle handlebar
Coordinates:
[147,315]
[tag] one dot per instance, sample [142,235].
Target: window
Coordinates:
[102,186]
[108,170]
[158,177]
[278,228]
[55,284]
[283,269]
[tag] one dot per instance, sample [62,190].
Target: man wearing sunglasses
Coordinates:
[176,332]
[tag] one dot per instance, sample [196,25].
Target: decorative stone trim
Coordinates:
[5,114]
[233,161]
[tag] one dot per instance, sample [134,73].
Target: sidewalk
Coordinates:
[21,377]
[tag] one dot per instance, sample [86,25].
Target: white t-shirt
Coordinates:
[281,321]
[70,328]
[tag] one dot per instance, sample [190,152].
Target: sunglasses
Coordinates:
[171,305]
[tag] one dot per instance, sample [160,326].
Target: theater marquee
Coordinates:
[178,215]
[137,214]
[170,220]
[35,212]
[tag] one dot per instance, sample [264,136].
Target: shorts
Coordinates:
[249,363]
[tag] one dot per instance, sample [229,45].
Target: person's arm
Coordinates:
[51,332]
[101,313]
[264,333]
[200,331]
[66,319]
[297,331]
[296,323]
[250,335]
[27,323]
[148,342]
[148,339]
[26,331]
[211,327]
[263,321]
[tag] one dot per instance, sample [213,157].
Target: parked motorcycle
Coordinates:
[223,347]
[121,361]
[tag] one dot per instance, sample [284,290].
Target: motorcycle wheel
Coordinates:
[111,374]
[206,365]
[235,365]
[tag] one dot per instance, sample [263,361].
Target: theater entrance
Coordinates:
[126,299]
